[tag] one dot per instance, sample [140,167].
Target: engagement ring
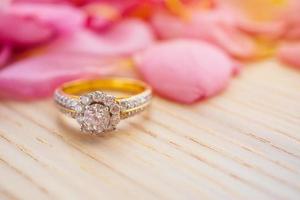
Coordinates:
[97,111]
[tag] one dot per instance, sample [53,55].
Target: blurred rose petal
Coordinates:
[23,25]
[100,15]
[290,54]
[5,53]
[103,13]
[293,33]
[215,26]
[63,18]
[124,38]
[120,5]
[185,70]
[37,77]
[23,31]
[40,1]
[271,19]
[292,18]
[271,30]
[73,57]
[4,3]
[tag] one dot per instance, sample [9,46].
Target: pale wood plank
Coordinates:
[242,144]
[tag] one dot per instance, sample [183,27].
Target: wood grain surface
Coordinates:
[242,144]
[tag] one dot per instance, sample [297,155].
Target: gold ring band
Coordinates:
[96,111]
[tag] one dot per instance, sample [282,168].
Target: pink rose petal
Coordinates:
[19,31]
[292,18]
[293,33]
[185,70]
[102,14]
[84,54]
[283,19]
[4,4]
[290,54]
[63,18]
[244,12]
[124,38]
[218,27]
[5,53]
[40,1]
[272,29]
[38,77]
[98,23]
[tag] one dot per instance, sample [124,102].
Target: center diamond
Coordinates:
[96,118]
[97,112]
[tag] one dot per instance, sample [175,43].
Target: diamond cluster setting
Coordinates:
[97,112]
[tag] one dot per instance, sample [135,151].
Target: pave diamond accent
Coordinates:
[136,104]
[115,108]
[98,96]
[78,108]
[109,100]
[85,100]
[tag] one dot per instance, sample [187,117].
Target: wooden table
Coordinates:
[242,144]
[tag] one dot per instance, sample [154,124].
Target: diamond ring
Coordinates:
[97,111]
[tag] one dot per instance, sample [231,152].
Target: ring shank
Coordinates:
[124,85]
[137,99]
